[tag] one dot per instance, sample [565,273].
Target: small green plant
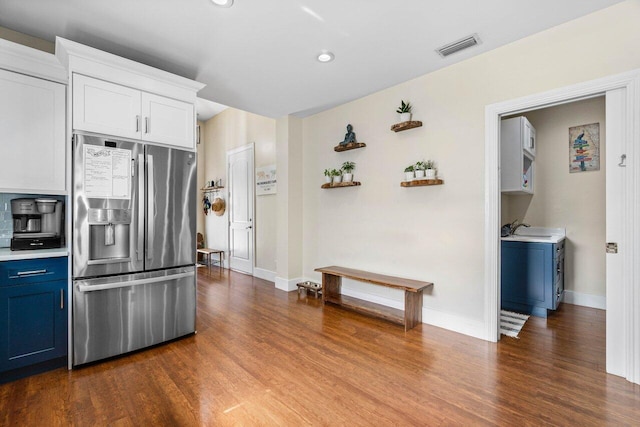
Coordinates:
[327,172]
[409,168]
[420,166]
[348,167]
[404,107]
[335,172]
[430,164]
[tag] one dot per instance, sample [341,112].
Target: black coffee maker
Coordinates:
[37,223]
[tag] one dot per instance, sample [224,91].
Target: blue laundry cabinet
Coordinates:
[33,316]
[532,276]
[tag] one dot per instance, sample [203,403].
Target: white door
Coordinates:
[168,121]
[241,193]
[106,108]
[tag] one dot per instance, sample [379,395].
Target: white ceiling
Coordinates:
[260,55]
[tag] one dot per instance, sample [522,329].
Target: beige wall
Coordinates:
[27,40]
[575,201]
[228,130]
[436,233]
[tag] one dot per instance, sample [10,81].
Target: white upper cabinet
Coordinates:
[168,121]
[32,135]
[112,109]
[106,108]
[517,150]
[119,97]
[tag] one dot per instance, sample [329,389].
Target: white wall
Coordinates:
[228,130]
[575,201]
[436,233]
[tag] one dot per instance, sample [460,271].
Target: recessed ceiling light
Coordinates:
[223,3]
[325,56]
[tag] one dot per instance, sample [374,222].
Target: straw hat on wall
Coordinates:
[218,206]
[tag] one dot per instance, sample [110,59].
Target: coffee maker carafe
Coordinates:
[37,223]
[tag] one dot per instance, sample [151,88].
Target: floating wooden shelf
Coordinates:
[341,184]
[349,146]
[211,189]
[398,127]
[421,182]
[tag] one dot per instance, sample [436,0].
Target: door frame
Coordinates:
[251,147]
[625,299]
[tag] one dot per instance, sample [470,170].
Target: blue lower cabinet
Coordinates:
[532,276]
[33,316]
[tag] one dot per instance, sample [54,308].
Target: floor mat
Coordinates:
[511,323]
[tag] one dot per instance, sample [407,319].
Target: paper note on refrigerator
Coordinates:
[107,172]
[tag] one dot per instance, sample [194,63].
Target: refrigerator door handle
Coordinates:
[140,236]
[81,287]
[151,211]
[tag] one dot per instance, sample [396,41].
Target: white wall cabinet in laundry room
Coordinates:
[32,134]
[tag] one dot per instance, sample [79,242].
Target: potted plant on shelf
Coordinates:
[327,176]
[405,111]
[430,172]
[408,173]
[347,169]
[420,167]
[336,176]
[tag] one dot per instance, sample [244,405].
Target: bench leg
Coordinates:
[331,286]
[412,309]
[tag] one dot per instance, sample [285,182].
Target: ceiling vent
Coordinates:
[458,45]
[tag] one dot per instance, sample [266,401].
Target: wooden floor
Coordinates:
[266,357]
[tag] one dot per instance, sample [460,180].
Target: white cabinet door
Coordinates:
[528,137]
[168,121]
[106,108]
[32,135]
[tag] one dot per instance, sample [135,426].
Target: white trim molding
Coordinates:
[264,274]
[623,338]
[32,62]
[453,322]
[78,58]
[287,285]
[585,300]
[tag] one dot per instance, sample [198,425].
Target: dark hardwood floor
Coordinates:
[266,357]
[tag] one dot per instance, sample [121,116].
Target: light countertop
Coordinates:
[537,235]
[7,254]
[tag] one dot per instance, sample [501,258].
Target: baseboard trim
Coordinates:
[585,300]
[454,323]
[287,285]
[261,273]
[448,321]
[373,298]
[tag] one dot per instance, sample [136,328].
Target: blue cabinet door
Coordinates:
[33,315]
[34,319]
[528,276]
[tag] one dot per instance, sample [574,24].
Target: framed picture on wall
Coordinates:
[584,148]
[266,181]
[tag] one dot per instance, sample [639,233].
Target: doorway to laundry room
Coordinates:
[553,234]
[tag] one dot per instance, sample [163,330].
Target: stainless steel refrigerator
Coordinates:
[134,248]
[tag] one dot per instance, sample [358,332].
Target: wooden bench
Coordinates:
[409,318]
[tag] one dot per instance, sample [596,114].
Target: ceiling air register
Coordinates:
[458,45]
